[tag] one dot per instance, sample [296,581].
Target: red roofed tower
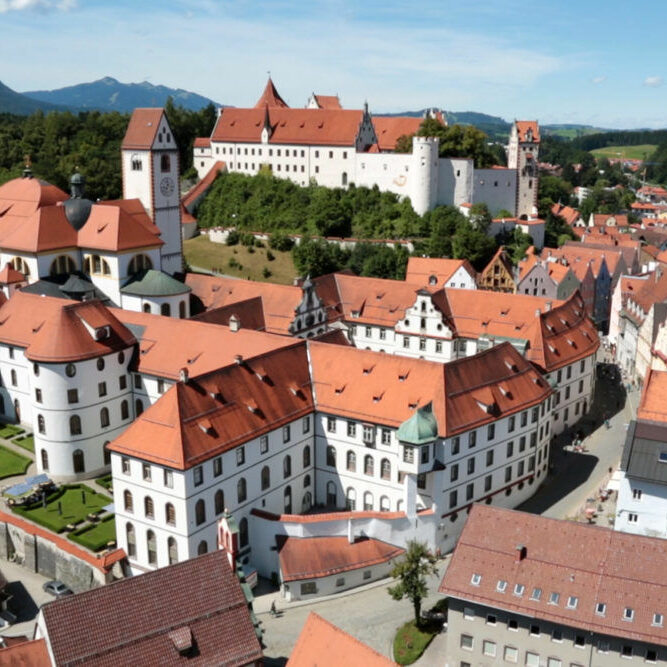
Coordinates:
[524,146]
[271,97]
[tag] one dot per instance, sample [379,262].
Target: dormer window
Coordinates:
[519,589]
[501,586]
[476,579]
[554,598]
[572,602]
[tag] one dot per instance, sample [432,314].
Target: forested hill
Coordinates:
[16,103]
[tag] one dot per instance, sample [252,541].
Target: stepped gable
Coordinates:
[113,229]
[44,230]
[389,129]
[203,417]
[270,97]
[142,129]
[279,302]
[193,612]
[588,563]
[323,644]
[167,344]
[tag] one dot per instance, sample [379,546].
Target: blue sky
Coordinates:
[594,62]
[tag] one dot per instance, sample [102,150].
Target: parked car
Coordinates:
[57,588]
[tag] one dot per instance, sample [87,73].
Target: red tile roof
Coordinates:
[270,97]
[327,101]
[58,330]
[141,129]
[323,644]
[202,142]
[653,403]
[25,654]
[605,219]
[389,129]
[46,229]
[523,126]
[328,127]
[240,402]
[500,257]
[315,557]
[132,621]
[569,214]
[250,314]
[420,270]
[136,209]
[583,253]
[193,194]
[21,197]
[9,275]
[590,563]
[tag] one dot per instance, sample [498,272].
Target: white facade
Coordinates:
[641,507]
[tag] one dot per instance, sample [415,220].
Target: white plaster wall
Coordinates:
[650,509]
[496,188]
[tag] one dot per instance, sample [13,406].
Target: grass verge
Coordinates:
[95,536]
[12,464]
[410,641]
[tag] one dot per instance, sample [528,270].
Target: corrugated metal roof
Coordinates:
[644,443]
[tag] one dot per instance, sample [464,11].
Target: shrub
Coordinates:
[251,249]
[247,240]
[266,273]
[270,256]
[280,241]
[233,237]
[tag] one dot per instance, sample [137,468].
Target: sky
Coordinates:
[558,61]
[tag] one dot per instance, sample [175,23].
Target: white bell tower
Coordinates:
[151,173]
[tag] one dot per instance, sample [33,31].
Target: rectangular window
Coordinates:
[331,424]
[160,386]
[146,471]
[217,466]
[487,482]
[579,641]
[351,429]
[309,588]
[368,331]
[122,382]
[424,455]
[489,648]
[38,395]
[72,396]
[168,478]
[522,443]
[490,431]
[406,341]
[438,347]
[532,659]
[454,472]
[198,475]
[264,444]
[535,630]
[456,445]
[510,449]
[472,439]
[453,499]
[535,415]
[466,642]
[524,418]
[386,436]
[508,474]
[306,424]
[470,491]
[572,602]
[422,344]
[468,613]
[511,424]
[137,381]
[383,333]
[102,388]
[489,457]
[491,619]
[240,455]
[632,517]
[471,465]
[368,434]
[125,465]
[408,454]
[636,493]
[511,654]
[286,433]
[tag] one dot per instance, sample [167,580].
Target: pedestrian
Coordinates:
[273,608]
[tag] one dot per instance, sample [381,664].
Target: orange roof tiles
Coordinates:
[202,142]
[582,253]
[500,256]
[314,557]
[653,403]
[26,654]
[330,127]
[650,291]
[9,275]
[569,214]
[240,402]
[607,220]
[589,563]
[46,229]
[389,129]
[141,129]
[21,197]
[323,644]
[113,229]
[523,126]
[327,101]
[249,313]
[420,270]
[270,97]
[278,301]
[557,272]
[136,209]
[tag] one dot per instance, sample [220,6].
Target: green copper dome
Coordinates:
[421,428]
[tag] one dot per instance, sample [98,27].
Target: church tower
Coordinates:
[523,153]
[151,174]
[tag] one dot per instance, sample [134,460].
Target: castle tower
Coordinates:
[523,153]
[151,174]
[425,156]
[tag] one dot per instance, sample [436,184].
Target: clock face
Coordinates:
[167,186]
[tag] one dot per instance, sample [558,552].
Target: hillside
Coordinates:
[108,94]
[21,105]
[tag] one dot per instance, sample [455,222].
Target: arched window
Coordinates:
[343,179]
[202,548]
[138,407]
[200,512]
[149,509]
[181,310]
[288,499]
[17,410]
[368,501]
[139,263]
[172,548]
[384,504]
[241,490]
[21,266]
[77,461]
[287,466]
[368,465]
[147,308]
[62,264]
[219,500]
[45,461]
[306,481]
[351,499]
[124,410]
[41,426]
[127,501]
[385,469]
[75,425]
[243,532]
[351,461]
[96,265]
[107,453]
[331,456]
[165,163]
[266,478]
[151,547]
[170,514]
[131,540]
[12,375]
[306,456]
[104,417]
[165,309]
[331,494]
[307,501]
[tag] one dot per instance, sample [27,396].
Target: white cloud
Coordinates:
[597,80]
[653,81]
[20,5]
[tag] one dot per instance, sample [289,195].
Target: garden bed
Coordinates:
[27,442]
[411,641]
[96,536]
[12,463]
[104,481]
[8,431]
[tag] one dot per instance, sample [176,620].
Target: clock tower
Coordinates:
[151,174]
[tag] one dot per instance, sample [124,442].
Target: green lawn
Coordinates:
[72,507]
[202,253]
[12,464]
[410,642]
[638,152]
[9,431]
[96,536]
[27,442]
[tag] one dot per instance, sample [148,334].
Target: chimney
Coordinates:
[234,323]
[520,553]
[238,358]
[538,312]
[183,375]
[547,306]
